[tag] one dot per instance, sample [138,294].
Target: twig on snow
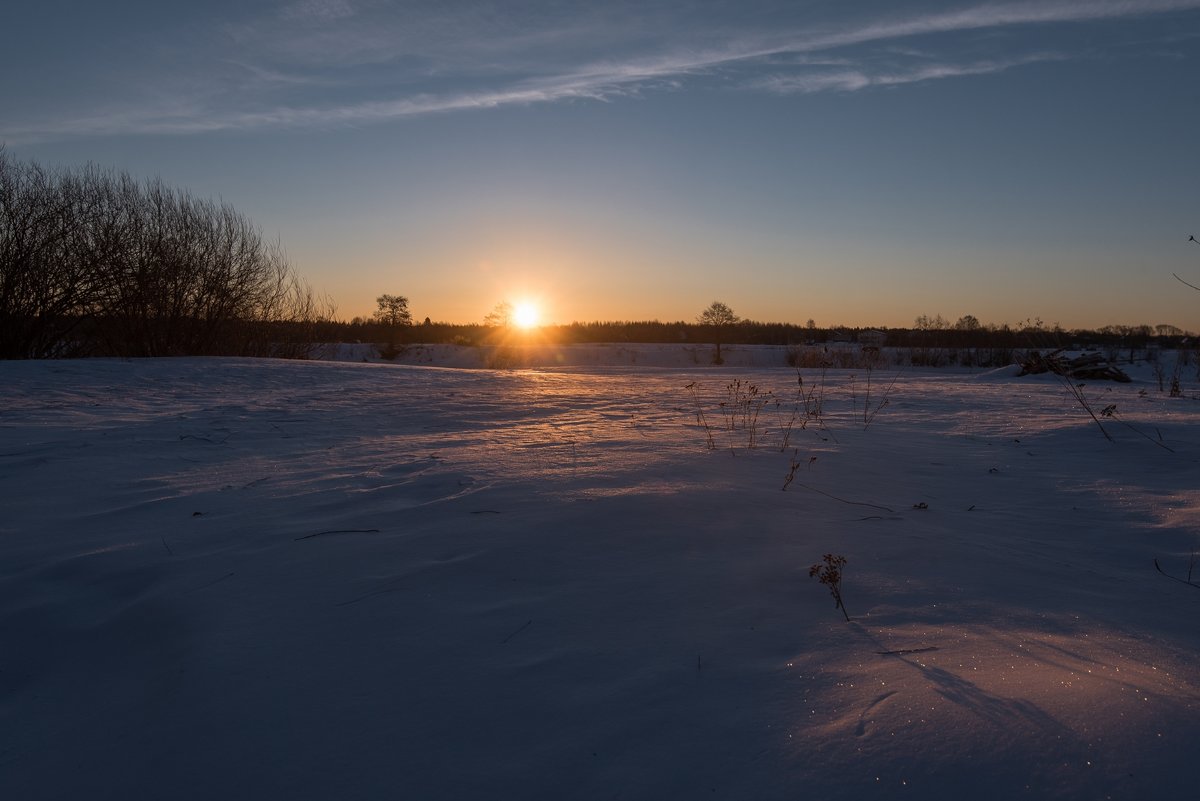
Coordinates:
[518,631]
[216,581]
[843,500]
[1174,578]
[906,651]
[338,531]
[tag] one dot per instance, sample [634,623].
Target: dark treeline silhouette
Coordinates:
[94,262]
[651,331]
[924,344]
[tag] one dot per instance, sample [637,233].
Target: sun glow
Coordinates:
[525,315]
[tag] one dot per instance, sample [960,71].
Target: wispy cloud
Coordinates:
[182,119]
[800,60]
[995,15]
[271,77]
[321,10]
[849,80]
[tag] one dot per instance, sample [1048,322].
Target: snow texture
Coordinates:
[226,578]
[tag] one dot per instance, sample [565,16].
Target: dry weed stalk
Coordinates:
[742,412]
[742,406]
[1076,391]
[701,420]
[1110,412]
[795,465]
[868,413]
[812,399]
[830,574]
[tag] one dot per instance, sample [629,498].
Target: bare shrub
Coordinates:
[95,262]
[808,356]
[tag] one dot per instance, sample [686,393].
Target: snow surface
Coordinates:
[226,578]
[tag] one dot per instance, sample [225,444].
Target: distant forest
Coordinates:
[932,341]
[750,332]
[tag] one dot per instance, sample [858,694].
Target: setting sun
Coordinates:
[525,315]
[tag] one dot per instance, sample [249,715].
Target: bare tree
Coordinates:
[718,317]
[500,317]
[927,323]
[393,311]
[44,290]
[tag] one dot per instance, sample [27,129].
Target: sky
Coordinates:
[852,163]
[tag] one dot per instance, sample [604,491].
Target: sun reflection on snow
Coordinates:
[1021,696]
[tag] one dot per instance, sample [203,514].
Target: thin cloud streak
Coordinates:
[606,80]
[194,122]
[319,10]
[996,16]
[852,80]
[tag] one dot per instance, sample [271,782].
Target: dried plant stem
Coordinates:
[830,574]
[701,420]
[843,500]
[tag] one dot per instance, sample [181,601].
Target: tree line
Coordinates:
[94,262]
[753,332]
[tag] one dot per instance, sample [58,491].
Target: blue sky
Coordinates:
[853,163]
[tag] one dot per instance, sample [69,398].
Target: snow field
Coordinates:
[311,580]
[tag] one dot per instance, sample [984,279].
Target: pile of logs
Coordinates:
[1089,366]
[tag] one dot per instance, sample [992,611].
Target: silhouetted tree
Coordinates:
[45,287]
[393,311]
[499,317]
[927,323]
[717,317]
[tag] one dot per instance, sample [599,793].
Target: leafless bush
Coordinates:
[95,262]
[808,356]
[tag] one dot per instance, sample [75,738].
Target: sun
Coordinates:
[525,315]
